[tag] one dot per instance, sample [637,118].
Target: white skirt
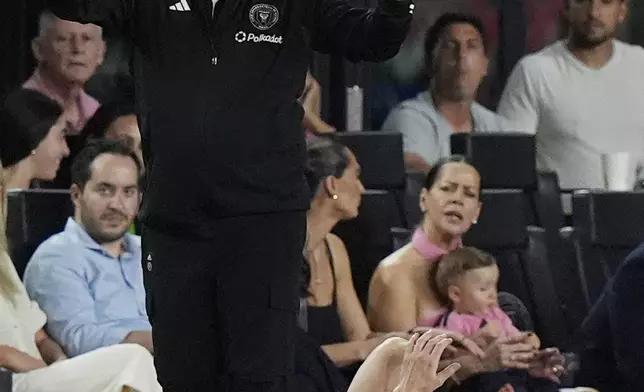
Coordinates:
[108,369]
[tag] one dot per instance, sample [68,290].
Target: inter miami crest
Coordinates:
[264,16]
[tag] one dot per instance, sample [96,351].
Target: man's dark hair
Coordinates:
[446,20]
[97,126]
[82,166]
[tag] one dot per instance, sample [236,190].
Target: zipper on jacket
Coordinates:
[210,30]
[214,34]
[213,53]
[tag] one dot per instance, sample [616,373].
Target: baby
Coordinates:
[466,280]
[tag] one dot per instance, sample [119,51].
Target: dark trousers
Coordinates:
[223,310]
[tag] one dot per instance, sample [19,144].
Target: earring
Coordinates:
[33,152]
[334,197]
[474,221]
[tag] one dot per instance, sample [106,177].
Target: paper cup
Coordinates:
[619,171]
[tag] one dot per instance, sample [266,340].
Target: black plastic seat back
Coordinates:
[504,160]
[502,231]
[33,215]
[609,226]
[380,155]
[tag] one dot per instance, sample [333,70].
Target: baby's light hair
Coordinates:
[453,265]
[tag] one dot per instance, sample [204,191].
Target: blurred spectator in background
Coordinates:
[67,54]
[116,121]
[456,60]
[582,96]
[32,138]
[404,76]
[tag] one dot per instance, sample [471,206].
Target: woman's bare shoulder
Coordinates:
[397,265]
[334,241]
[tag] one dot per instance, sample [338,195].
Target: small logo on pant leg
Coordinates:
[148,262]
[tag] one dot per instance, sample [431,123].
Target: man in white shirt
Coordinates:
[455,51]
[583,96]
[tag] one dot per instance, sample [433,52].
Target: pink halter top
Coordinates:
[429,250]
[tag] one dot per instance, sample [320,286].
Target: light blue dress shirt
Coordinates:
[91,299]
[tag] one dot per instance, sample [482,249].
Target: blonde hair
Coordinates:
[8,285]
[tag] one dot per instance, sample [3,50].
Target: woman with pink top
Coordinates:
[400,296]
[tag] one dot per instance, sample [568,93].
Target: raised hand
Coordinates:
[457,339]
[420,364]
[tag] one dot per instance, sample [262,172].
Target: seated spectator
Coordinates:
[311,103]
[88,279]
[113,121]
[399,296]
[32,138]
[39,364]
[611,336]
[456,57]
[466,281]
[117,121]
[412,364]
[582,96]
[335,317]
[67,55]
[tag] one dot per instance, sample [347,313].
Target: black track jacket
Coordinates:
[217,95]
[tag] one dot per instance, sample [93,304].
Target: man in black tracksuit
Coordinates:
[225,199]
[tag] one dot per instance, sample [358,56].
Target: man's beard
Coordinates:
[583,41]
[92,227]
[454,93]
[103,238]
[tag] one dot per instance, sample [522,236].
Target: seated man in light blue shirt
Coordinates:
[455,52]
[88,279]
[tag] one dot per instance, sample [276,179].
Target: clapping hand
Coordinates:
[419,371]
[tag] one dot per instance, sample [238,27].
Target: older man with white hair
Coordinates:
[68,54]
